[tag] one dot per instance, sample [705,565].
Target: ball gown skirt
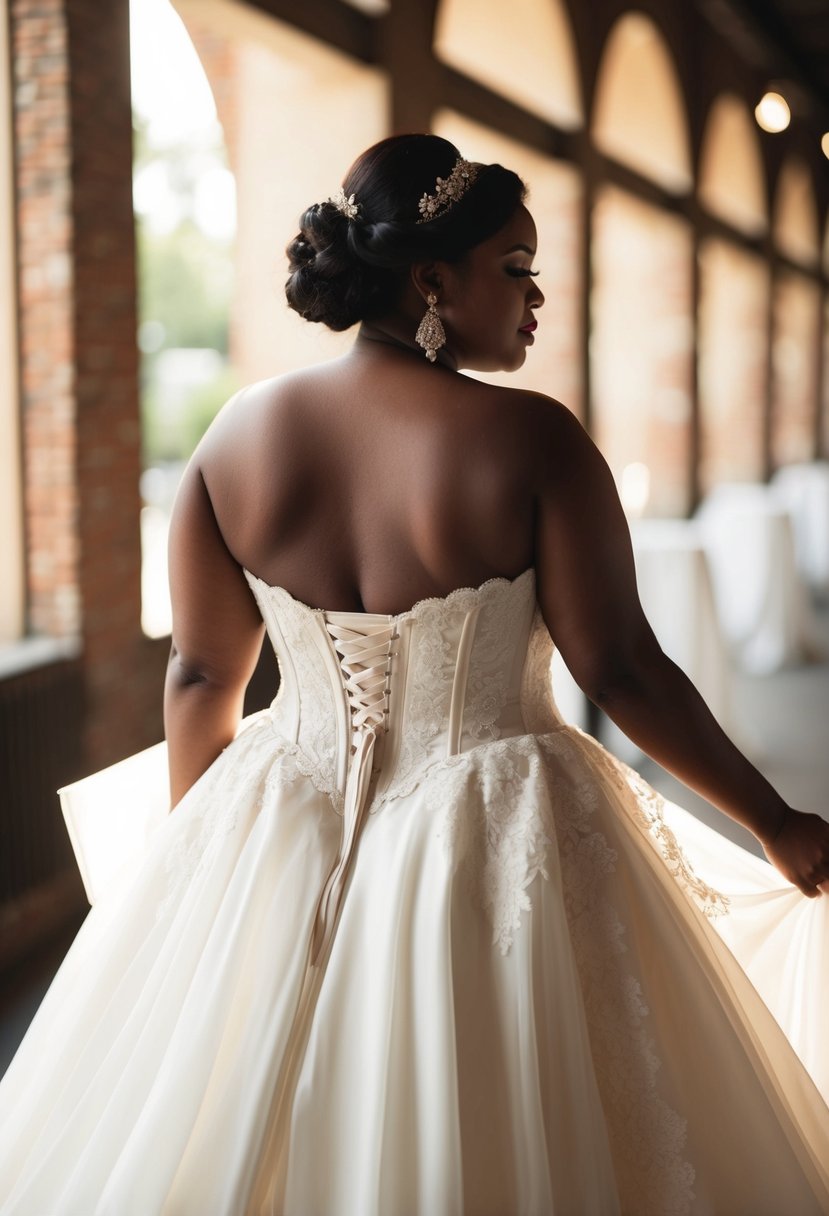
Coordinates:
[412,946]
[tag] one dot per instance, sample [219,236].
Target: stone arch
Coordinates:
[279,73]
[639,113]
[731,174]
[523,50]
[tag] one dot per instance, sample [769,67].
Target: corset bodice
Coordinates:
[369,702]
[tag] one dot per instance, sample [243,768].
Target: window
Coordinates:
[734,292]
[732,181]
[794,367]
[639,116]
[523,50]
[641,350]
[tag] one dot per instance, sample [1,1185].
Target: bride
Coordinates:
[408,943]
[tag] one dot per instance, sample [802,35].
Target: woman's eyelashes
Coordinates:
[521,271]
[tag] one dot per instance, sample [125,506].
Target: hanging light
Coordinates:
[772,112]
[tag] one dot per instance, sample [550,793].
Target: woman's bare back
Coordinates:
[371,482]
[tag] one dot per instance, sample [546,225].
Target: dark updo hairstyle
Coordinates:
[347,270]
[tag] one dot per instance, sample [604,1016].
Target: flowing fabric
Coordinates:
[412,946]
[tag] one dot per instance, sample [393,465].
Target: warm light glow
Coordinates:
[639,116]
[170,89]
[824,144]
[635,488]
[772,112]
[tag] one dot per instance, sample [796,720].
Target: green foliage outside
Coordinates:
[185,281]
[163,442]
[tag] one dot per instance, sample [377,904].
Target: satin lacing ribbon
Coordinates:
[365,659]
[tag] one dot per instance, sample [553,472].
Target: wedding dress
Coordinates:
[412,946]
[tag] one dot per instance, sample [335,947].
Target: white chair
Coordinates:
[762,600]
[676,591]
[803,489]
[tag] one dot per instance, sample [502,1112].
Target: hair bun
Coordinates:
[328,281]
[301,252]
[345,269]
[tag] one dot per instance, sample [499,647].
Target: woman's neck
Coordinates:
[397,333]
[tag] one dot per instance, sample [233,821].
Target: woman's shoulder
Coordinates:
[527,406]
[538,409]
[544,437]
[263,407]
[281,390]
[540,421]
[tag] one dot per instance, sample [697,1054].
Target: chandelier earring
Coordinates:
[430,332]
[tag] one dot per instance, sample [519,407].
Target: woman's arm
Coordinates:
[217,636]
[588,597]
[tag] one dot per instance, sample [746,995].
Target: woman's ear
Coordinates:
[426,277]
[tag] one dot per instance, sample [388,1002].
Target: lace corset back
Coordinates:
[443,677]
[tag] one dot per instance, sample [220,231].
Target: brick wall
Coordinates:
[220,59]
[123,688]
[43,153]
[79,370]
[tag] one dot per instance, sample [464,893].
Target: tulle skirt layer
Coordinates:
[541,998]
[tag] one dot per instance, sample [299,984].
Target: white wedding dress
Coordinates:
[414,947]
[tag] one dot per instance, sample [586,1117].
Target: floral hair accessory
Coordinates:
[346,205]
[448,192]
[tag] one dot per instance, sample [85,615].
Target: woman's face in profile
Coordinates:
[489,298]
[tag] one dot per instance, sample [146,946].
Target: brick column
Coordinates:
[107,418]
[79,381]
[44,231]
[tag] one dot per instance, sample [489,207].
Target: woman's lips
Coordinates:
[530,328]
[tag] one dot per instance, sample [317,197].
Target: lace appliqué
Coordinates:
[647,807]
[537,704]
[494,825]
[489,674]
[648,1137]
[296,764]
[650,807]
[431,667]
[431,663]
[315,753]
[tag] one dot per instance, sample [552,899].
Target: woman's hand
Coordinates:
[800,851]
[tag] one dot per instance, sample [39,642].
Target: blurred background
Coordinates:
[154,159]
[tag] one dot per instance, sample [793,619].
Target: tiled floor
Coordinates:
[786,715]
